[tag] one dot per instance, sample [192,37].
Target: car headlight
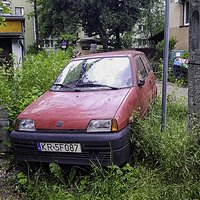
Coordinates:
[104,125]
[25,125]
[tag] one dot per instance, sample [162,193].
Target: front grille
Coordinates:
[28,150]
[74,131]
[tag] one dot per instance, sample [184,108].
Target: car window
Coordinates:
[146,63]
[141,71]
[112,71]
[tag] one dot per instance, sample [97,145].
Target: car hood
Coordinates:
[73,110]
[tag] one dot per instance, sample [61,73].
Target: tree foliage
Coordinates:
[172,44]
[57,17]
[154,15]
[4,10]
[150,22]
[106,18]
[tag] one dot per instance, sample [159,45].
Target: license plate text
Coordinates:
[59,147]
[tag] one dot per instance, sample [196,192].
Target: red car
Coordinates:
[85,117]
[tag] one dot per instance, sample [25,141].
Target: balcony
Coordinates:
[12,28]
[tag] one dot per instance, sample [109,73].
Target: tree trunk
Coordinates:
[104,39]
[118,40]
[194,66]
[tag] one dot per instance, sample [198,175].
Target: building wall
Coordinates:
[17,52]
[176,26]
[29,21]
[175,14]
[182,35]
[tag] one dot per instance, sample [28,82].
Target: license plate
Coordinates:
[59,147]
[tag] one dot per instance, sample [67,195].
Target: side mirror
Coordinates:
[141,82]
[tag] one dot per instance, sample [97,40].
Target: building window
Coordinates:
[142,28]
[142,42]
[85,34]
[141,71]
[186,13]
[48,43]
[19,11]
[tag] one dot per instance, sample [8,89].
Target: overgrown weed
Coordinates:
[20,87]
[175,152]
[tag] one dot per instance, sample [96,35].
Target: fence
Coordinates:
[4,130]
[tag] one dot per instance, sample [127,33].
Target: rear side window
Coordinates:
[141,70]
[146,63]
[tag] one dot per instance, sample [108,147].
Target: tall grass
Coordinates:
[20,87]
[169,149]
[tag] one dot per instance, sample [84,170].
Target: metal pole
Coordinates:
[165,66]
[36,23]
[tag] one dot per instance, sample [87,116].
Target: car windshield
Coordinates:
[112,72]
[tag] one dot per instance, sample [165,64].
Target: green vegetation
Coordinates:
[30,80]
[158,66]
[5,10]
[172,44]
[107,19]
[163,165]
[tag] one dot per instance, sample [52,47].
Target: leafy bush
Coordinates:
[18,89]
[172,44]
[33,49]
[127,40]
[158,70]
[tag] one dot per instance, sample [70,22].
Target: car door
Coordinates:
[144,89]
[151,76]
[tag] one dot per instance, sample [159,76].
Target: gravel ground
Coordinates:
[173,89]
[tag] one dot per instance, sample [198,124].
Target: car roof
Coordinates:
[110,54]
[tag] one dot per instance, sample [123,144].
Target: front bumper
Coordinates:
[97,148]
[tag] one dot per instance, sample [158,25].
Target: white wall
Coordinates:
[29,21]
[17,52]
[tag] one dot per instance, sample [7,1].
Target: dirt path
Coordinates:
[173,89]
[8,189]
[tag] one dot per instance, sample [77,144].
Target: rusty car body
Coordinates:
[86,115]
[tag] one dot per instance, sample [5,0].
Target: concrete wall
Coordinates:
[182,35]
[4,133]
[17,52]
[176,15]
[176,26]
[29,21]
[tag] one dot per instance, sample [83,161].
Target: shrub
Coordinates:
[33,49]
[19,88]
[172,44]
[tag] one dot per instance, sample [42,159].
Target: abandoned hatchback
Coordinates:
[85,117]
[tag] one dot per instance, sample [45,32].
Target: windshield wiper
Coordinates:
[66,86]
[95,85]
